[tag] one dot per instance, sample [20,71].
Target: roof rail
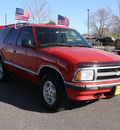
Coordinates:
[16,24]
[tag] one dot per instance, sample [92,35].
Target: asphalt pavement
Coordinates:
[21,109]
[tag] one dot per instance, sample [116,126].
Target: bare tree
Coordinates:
[116,19]
[115,30]
[51,23]
[39,10]
[100,21]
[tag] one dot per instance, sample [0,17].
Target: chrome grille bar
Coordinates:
[107,73]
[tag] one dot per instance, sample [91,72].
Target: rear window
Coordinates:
[11,36]
[2,33]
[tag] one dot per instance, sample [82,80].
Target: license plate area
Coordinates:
[117,91]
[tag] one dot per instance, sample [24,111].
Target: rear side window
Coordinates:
[2,33]
[11,36]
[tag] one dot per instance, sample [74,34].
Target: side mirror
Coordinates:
[27,43]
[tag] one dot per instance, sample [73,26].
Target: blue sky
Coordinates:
[75,10]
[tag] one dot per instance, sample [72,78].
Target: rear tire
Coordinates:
[53,93]
[4,74]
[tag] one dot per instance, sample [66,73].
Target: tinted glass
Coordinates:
[11,36]
[26,33]
[2,33]
[49,37]
[42,35]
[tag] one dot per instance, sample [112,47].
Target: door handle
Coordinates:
[14,51]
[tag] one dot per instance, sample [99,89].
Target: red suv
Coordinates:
[61,61]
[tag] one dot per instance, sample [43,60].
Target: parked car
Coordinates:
[117,46]
[105,40]
[60,61]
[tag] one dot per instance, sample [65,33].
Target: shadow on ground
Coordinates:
[78,104]
[23,94]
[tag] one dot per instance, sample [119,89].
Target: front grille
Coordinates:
[107,73]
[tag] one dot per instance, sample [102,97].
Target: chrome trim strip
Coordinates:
[21,68]
[32,72]
[29,71]
[107,74]
[6,62]
[52,68]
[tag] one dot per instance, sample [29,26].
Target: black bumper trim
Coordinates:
[74,86]
[90,87]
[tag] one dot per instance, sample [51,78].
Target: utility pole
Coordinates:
[88,20]
[49,13]
[119,17]
[119,7]
[5,18]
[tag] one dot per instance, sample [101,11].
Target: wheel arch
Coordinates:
[47,69]
[54,76]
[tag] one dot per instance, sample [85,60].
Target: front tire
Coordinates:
[53,93]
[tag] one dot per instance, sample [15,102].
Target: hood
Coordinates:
[81,54]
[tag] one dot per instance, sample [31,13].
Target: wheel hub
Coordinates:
[49,92]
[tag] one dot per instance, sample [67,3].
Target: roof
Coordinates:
[1,27]
[37,25]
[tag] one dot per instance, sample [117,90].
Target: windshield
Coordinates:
[50,37]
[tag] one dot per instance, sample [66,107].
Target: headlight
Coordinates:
[84,75]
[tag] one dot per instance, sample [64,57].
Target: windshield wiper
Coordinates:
[53,44]
[61,44]
[79,45]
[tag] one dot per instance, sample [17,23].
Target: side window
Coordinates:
[11,36]
[2,33]
[26,33]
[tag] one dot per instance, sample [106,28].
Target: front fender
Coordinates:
[66,71]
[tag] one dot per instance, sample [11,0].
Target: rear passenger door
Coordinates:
[8,44]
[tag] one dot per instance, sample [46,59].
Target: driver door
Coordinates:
[25,58]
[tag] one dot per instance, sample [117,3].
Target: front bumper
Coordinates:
[90,91]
